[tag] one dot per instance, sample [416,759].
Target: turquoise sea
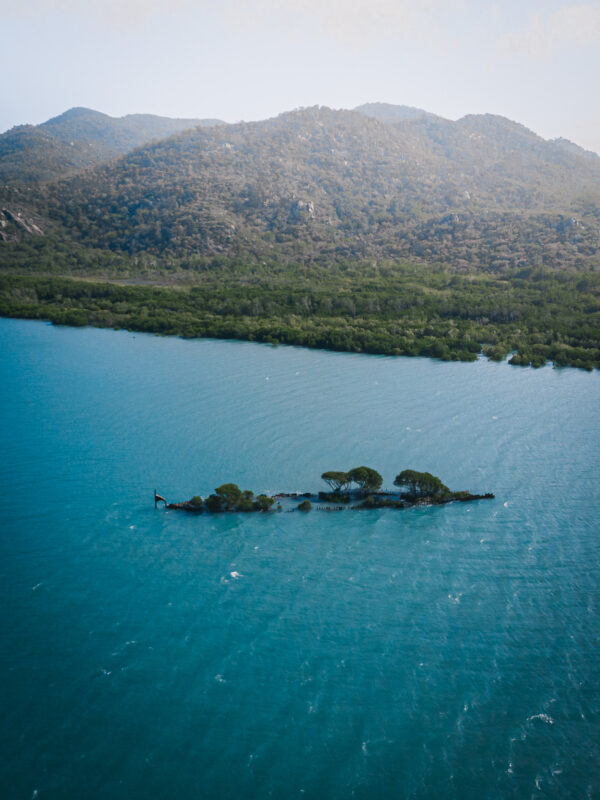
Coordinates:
[449,652]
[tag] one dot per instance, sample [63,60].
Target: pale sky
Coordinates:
[534,61]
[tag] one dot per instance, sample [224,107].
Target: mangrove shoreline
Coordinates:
[532,319]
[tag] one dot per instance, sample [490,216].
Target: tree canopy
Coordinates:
[337,480]
[231,494]
[229,497]
[367,479]
[420,484]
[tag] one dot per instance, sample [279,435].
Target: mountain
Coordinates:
[317,185]
[321,228]
[386,112]
[573,148]
[77,139]
[116,135]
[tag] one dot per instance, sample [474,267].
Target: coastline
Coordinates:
[216,311]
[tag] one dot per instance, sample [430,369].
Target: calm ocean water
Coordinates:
[447,652]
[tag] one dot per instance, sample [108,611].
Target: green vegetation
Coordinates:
[334,497]
[418,485]
[338,481]
[263,503]
[376,501]
[320,228]
[368,480]
[391,310]
[229,497]
[415,488]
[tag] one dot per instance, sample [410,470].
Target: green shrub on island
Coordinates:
[462,495]
[334,497]
[229,497]
[246,501]
[381,502]
[263,503]
[305,505]
[196,501]
[225,498]
[214,503]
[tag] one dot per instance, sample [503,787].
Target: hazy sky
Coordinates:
[535,61]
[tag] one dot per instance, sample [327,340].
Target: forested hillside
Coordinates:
[314,196]
[77,139]
[316,184]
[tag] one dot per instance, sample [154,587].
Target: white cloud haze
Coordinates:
[526,59]
[567,26]
[343,20]
[350,21]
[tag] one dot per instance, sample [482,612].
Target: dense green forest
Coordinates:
[393,309]
[384,230]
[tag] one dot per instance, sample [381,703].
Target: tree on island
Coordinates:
[229,497]
[414,487]
[246,501]
[368,480]
[263,503]
[421,484]
[337,481]
[214,503]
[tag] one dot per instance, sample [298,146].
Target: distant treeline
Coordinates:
[390,309]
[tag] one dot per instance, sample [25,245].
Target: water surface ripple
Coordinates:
[448,652]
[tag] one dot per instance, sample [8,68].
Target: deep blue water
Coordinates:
[446,652]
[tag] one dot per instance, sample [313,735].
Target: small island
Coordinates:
[357,489]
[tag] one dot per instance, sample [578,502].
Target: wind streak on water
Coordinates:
[443,652]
